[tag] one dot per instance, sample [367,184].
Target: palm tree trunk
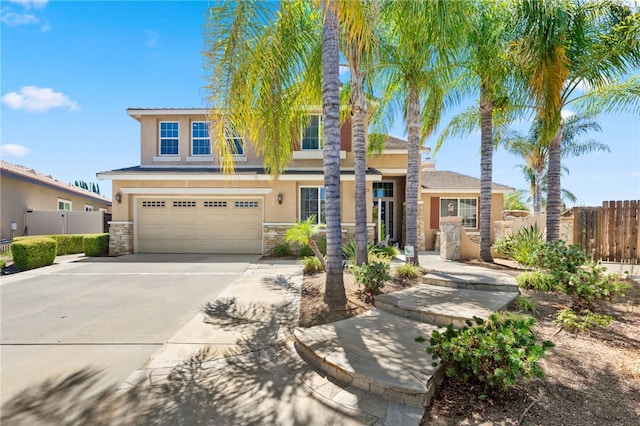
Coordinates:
[486,168]
[537,192]
[314,248]
[554,200]
[359,111]
[413,171]
[334,286]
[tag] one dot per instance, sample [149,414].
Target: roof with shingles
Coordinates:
[442,180]
[31,175]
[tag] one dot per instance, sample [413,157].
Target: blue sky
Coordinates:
[70,69]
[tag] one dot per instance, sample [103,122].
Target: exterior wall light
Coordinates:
[119,197]
[279,198]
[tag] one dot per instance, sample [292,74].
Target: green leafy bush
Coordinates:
[536,280]
[372,276]
[559,259]
[575,322]
[522,246]
[575,274]
[69,243]
[311,265]
[591,283]
[495,353]
[389,251]
[2,263]
[281,250]
[408,271]
[33,252]
[305,251]
[96,245]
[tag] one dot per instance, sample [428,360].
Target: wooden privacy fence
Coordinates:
[610,232]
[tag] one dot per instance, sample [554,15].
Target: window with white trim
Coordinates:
[465,207]
[200,141]
[88,208]
[168,138]
[312,134]
[234,140]
[64,204]
[312,202]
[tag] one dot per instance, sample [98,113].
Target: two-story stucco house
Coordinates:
[178,201]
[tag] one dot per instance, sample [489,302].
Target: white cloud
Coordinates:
[28,4]
[14,18]
[566,113]
[13,150]
[37,99]
[635,174]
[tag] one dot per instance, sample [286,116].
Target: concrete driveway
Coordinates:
[109,314]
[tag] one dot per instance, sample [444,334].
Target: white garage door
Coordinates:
[182,225]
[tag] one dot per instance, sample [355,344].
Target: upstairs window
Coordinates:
[465,207]
[88,208]
[235,142]
[312,134]
[200,141]
[169,138]
[312,202]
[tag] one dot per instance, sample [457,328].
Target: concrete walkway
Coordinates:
[241,360]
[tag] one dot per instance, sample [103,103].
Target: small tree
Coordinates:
[303,232]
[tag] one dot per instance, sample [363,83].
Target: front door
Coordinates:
[384,211]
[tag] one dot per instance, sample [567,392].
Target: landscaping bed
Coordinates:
[591,378]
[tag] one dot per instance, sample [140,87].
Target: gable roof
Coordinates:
[448,181]
[30,175]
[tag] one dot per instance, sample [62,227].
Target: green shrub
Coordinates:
[305,251]
[96,245]
[575,274]
[526,303]
[2,263]
[69,243]
[522,246]
[495,353]
[389,251]
[408,271]
[575,322]
[281,250]
[536,280]
[311,265]
[372,276]
[34,252]
[591,283]
[322,246]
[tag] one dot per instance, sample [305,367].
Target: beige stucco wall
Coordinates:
[430,233]
[17,196]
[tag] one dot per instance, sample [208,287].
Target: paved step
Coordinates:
[443,305]
[472,279]
[377,352]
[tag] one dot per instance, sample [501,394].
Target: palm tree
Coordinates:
[267,64]
[334,295]
[535,152]
[358,43]
[516,200]
[302,233]
[487,72]
[421,39]
[568,44]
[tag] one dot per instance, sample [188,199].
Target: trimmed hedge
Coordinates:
[69,243]
[34,252]
[96,245]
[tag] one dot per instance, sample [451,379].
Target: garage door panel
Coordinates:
[199,226]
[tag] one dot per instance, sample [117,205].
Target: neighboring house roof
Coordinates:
[447,181]
[395,143]
[30,175]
